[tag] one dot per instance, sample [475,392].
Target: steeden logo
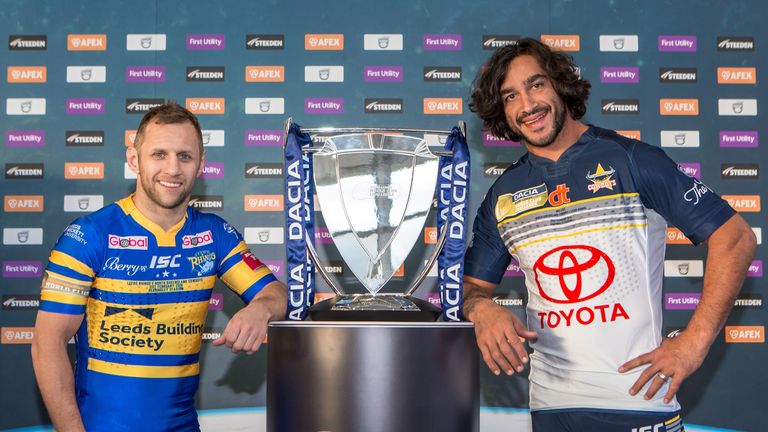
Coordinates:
[264,73]
[205,105]
[141,106]
[205,73]
[739,171]
[86,42]
[744,334]
[17,335]
[493,170]
[23,203]
[492,42]
[263,170]
[383,106]
[562,42]
[84,138]
[678,107]
[83,170]
[24,171]
[207,202]
[263,203]
[27,42]
[620,106]
[744,203]
[736,75]
[324,42]
[678,75]
[21,302]
[264,42]
[442,74]
[27,74]
[735,43]
[443,106]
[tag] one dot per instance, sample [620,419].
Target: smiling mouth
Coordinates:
[535,118]
[169,184]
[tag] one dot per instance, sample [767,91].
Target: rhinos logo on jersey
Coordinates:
[202,262]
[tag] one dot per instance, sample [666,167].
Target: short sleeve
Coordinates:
[487,258]
[239,269]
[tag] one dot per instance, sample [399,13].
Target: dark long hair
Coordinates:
[560,69]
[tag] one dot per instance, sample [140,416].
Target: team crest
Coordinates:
[601,179]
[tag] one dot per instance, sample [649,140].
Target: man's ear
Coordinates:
[132,157]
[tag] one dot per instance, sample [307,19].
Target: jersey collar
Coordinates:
[164,238]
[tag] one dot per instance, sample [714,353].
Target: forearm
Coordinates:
[474,297]
[274,300]
[56,382]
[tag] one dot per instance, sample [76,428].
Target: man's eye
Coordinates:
[509,97]
[157,155]
[185,157]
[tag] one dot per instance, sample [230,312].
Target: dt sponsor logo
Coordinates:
[383,42]
[264,105]
[141,106]
[86,42]
[27,74]
[205,42]
[678,75]
[22,269]
[323,73]
[491,140]
[263,235]
[744,334]
[264,73]
[383,73]
[737,107]
[620,106]
[23,203]
[27,42]
[442,74]
[736,75]
[264,42]
[205,73]
[145,74]
[755,269]
[691,169]
[83,170]
[430,235]
[679,138]
[324,106]
[145,42]
[559,274]
[128,242]
[671,43]
[25,138]
[17,335]
[492,42]
[86,106]
[207,202]
[443,106]
[619,75]
[683,268]
[86,74]
[383,106]
[84,138]
[619,43]
[263,138]
[212,170]
[22,236]
[493,170]
[205,105]
[83,203]
[735,43]
[216,302]
[739,171]
[631,134]
[749,300]
[15,171]
[324,42]
[559,196]
[25,106]
[263,170]
[681,301]
[562,42]
[263,203]
[744,203]
[513,269]
[21,302]
[441,42]
[678,107]
[739,139]
[675,236]
[322,236]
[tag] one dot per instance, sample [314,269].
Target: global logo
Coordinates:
[128,242]
[568,267]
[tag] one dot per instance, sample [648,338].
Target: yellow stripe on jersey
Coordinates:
[61,297]
[54,283]
[237,249]
[71,263]
[143,371]
[571,204]
[515,249]
[154,286]
[240,276]
[673,419]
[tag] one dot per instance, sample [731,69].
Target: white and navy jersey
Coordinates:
[589,233]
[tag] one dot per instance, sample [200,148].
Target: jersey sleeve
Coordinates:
[239,269]
[685,202]
[487,258]
[72,266]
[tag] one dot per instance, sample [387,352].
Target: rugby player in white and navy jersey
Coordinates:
[584,212]
[132,283]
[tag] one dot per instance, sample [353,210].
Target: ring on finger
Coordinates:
[664,377]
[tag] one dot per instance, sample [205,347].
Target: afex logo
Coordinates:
[679,106]
[263,203]
[561,42]
[87,42]
[675,236]
[205,105]
[197,240]
[736,75]
[17,335]
[23,203]
[744,334]
[328,42]
[577,262]
[442,106]
[744,203]
[264,73]
[430,235]
[128,242]
[27,74]
[83,170]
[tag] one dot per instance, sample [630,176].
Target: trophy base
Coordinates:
[367,307]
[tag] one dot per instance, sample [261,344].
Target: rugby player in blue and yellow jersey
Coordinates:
[132,283]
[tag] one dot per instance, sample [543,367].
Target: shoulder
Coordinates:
[209,221]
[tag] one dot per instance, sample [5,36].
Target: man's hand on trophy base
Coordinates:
[500,335]
[246,330]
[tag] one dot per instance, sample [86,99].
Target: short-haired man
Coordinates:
[132,283]
[584,213]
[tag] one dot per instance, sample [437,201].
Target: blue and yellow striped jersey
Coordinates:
[144,292]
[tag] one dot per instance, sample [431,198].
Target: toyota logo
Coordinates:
[568,267]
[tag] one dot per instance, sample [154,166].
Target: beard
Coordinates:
[557,125]
[150,188]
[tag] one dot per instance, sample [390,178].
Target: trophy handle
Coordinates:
[430,262]
[316,261]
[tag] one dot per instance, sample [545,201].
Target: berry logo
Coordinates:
[567,267]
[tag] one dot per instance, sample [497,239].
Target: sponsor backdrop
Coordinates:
[684,75]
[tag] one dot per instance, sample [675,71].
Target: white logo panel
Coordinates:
[86,74]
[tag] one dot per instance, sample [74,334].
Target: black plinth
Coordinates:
[323,311]
[372,377]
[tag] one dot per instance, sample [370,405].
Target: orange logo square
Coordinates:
[326,42]
[631,134]
[205,105]
[23,203]
[736,75]
[83,170]
[400,272]
[263,203]
[443,106]
[745,334]
[675,236]
[744,203]
[679,106]
[87,42]
[265,73]
[562,42]
[17,335]
[27,74]
[430,235]
[130,137]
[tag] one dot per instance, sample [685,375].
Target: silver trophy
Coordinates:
[375,188]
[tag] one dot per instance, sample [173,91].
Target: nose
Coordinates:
[527,103]
[173,166]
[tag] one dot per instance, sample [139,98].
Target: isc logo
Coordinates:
[165,261]
[655,428]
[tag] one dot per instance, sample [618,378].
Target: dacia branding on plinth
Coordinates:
[374,218]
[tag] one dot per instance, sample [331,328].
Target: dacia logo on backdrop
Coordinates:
[601,179]
[205,73]
[492,42]
[84,138]
[27,42]
[735,43]
[383,106]
[264,42]
[207,202]
[141,106]
[442,74]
